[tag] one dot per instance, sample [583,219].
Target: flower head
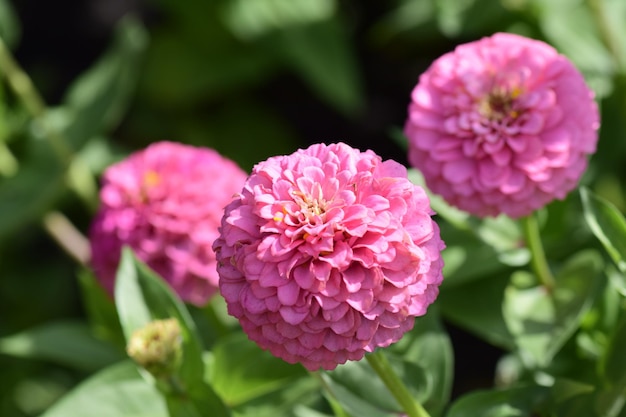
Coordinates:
[165,202]
[157,347]
[502,125]
[327,254]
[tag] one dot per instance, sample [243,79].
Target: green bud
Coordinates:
[157,347]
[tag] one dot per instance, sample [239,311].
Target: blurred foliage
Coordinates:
[256,79]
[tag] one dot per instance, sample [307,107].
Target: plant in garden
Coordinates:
[502,125]
[165,202]
[328,253]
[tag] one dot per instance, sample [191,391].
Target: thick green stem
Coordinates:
[378,361]
[538,257]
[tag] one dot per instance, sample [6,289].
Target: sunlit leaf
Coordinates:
[608,224]
[251,19]
[241,370]
[117,391]
[141,297]
[542,321]
[69,343]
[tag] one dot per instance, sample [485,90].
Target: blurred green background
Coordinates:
[252,79]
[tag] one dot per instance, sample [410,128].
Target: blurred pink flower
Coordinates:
[165,202]
[502,125]
[327,254]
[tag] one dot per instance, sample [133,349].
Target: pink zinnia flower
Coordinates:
[165,202]
[327,254]
[502,125]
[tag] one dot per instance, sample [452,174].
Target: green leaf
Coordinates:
[117,391]
[377,403]
[322,55]
[608,224]
[429,346]
[98,99]
[9,24]
[141,297]
[569,25]
[542,322]
[477,307]
[286,402]
[66,342]
[614,363]
[511,402]
[100,308]
[27,195]
[242,371]
[248,19]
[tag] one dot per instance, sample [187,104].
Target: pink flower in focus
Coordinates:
[502,125]
[166,203]
[327,254]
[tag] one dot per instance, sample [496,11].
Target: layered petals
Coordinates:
[327,254]
[166,203]
[502,125]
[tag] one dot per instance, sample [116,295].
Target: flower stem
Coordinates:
[332,399]
[67,236]
[378,361]
[538,256]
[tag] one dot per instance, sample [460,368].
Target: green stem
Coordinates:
[23,87]
[378,361]
[537,254]
[332,399]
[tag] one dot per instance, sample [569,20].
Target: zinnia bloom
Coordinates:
[165,202]
[502,125]
[327,254]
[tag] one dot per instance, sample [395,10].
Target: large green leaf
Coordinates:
[285,402]
[511,402]
[477,307]
[141,297]
[541,321]
[608,224]
[345,385]
[66,342]
[321,54]
[98,99]
[242,371]
[117,391]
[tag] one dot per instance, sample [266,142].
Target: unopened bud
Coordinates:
[157,347]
